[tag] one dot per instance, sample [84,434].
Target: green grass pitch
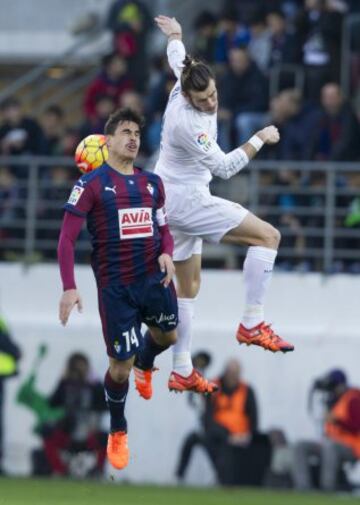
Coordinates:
[62,492]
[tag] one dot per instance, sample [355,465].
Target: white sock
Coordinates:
[182,363]
[258,267]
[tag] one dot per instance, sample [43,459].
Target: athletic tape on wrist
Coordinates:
[256,142]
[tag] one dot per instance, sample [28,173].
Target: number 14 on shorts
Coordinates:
[131,339]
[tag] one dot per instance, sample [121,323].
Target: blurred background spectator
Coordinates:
[130,21]
[9,357]
[104,106]
[260,40]
[205,27]
[228,431]
[19,134]
[9,206]
[337,130]
[341,441]
[231,35]
[285,47]
[53,125]
[113,80]
[69,421]
[319,26]
[244,94]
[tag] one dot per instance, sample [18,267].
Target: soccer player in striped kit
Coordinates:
[132,264]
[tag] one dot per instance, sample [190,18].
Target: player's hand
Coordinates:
[269,135]
[169,26]
[69,299]
[166,265]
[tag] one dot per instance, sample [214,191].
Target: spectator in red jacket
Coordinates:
[113,81]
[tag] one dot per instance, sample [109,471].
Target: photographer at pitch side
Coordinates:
[341,428]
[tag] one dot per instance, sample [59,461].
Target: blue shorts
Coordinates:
[124,308]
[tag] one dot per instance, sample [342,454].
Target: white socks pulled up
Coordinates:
[258,267]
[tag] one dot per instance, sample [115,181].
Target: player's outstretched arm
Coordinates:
[175,50]
[70,230]
[170,27]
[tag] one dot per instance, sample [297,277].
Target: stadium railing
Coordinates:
[315,205]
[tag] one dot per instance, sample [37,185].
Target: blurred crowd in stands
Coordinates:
[276,62]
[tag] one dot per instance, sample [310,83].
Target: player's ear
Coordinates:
[186,96]
[108,140]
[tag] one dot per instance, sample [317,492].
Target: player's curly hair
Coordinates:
[121,115]
[195,75]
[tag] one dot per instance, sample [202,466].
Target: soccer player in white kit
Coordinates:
[189,157]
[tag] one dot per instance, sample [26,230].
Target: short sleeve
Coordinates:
[81,199]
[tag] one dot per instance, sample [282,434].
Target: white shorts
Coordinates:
[195,215]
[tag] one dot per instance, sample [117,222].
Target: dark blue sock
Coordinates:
[115,395]
[150,349]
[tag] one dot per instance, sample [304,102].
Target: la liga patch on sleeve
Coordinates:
[204,141]
[75,195]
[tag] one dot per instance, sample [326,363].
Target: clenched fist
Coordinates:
[269,135]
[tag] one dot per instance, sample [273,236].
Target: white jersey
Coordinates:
[189,156]
[189,151]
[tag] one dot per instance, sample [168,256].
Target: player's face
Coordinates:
[125,142]
[205,101]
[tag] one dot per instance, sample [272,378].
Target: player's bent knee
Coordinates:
[164,338]
[277,237]
[120,371]
[190,290]
[271,238]
[170,338]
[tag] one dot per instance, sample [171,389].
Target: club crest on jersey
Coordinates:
[150,188]
[136,223]
[75,195]
[204,141]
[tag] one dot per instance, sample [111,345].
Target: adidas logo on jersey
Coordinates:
[136,223]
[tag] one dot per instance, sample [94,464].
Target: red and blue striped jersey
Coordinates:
[123,214]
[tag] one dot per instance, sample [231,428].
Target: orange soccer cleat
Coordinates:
[143,381]
[118,450]
[264,336]
[195,382]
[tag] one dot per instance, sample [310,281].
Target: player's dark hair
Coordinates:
[196,75]
[121,115]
